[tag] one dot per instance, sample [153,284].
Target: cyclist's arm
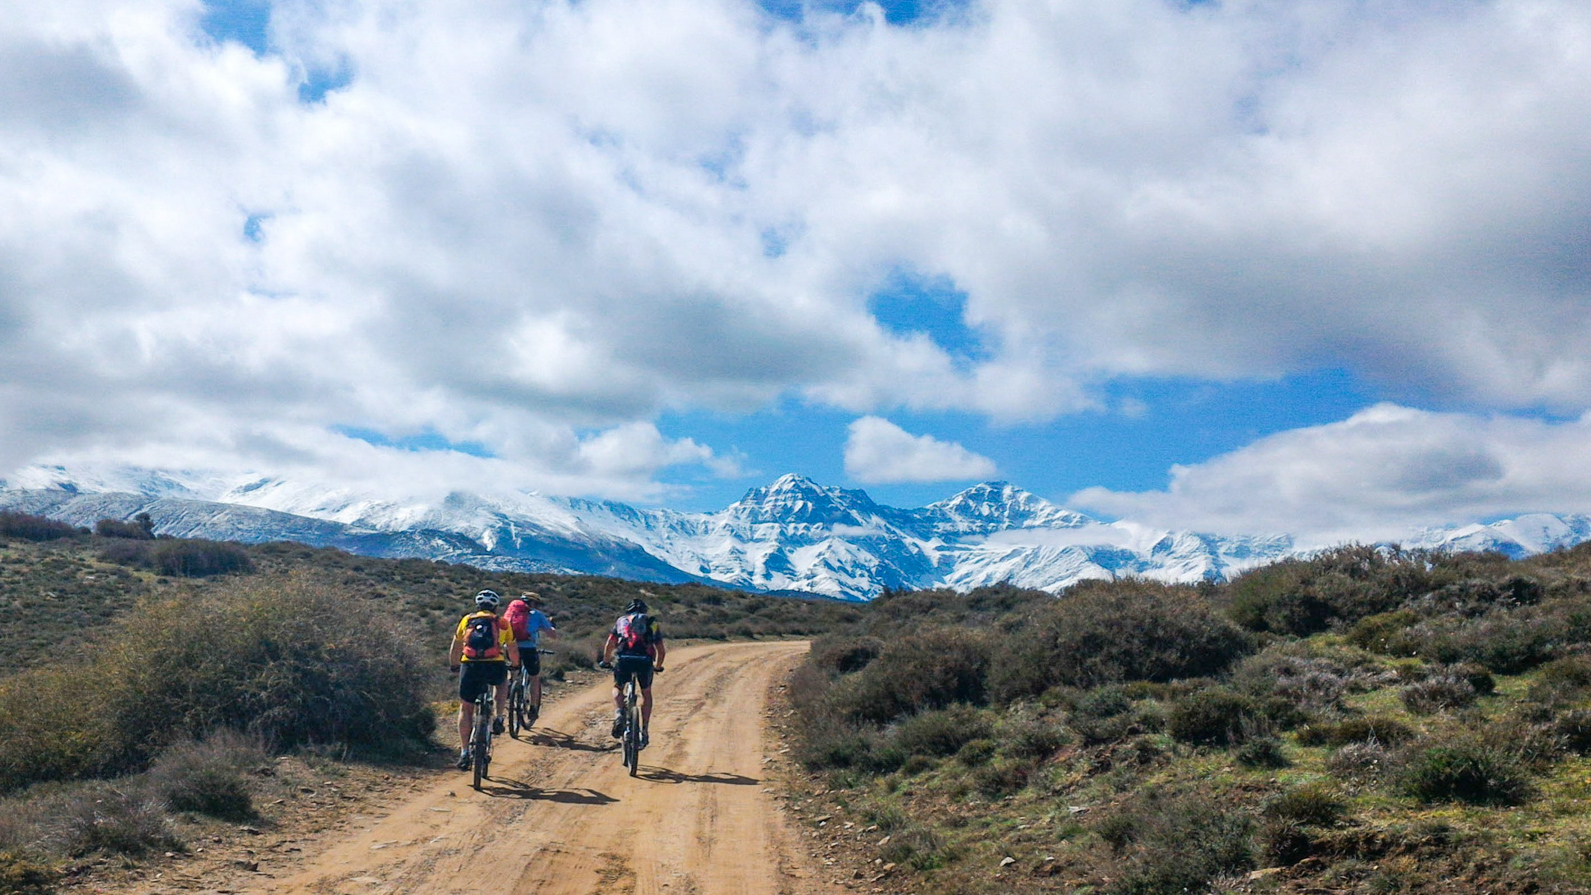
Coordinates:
[513,653]
[609,646]
[661,651]
[455,653]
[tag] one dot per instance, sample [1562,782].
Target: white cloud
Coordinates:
[878,452]
[1381,474]
[523,221]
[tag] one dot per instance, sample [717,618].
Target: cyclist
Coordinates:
[528,621]
[634,647]
[484,646]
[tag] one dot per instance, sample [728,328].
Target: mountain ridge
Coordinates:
[793,534]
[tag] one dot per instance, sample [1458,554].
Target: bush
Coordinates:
[1465,769]
[1340,586]
[916,847]
[942,732]
[21,876]
[1176,843]
[1027,737]
[295,665]
[28,527]
[115,528]
[1318,804]
[1290,819]
[844,655]
[208,777]
[1437,693]
[932,669]
[199,558]
[107,819]
[1121,631]
[1262,752]
[976,752]
[1002,777]
[1562,680]
[1217,716]
[1361,762]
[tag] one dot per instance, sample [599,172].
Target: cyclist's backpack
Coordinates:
[480,637]
[631,632]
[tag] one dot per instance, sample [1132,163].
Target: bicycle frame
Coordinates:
[632,725]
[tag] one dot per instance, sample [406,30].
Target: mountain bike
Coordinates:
[520,707]
[481,741]
[632,724]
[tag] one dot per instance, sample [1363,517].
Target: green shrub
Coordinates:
[115,528]
[1002,777]
[199,559]
[1217,716]
[1562,680]
[1176,843]
[1262,752]
[844,655]
[1026,737]
[914,846]
[1369,729]
[1370,761]
[942,732]
[1115,632]
[28,527]
[208,777]
[292,664]
[1465,769]
[1318,803]
[107,819]
[977,752]
[1437,693]
[1572,729]
[931,669]
[1384,632]
[19,875]
[1340,586]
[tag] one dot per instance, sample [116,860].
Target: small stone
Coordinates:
[1007,861]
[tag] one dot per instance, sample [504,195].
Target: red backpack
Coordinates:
[480,637]
[631,632]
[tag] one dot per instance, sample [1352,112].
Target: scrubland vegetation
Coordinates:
[145,681]
[1366,721]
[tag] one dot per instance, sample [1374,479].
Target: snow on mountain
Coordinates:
[791,535]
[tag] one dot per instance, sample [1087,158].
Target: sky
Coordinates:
[1240,267]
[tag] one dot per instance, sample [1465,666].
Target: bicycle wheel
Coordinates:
[516,706]
[632,732]
[481,745]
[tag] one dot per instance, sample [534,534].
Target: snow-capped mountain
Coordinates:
[792,535]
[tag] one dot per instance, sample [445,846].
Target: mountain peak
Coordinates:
[1000,505]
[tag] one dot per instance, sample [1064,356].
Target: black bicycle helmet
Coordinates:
[488,599]
[635,606]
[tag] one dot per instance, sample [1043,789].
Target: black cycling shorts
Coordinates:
[531,659]
[640,666]
[477,676]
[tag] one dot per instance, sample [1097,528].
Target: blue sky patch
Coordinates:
[428,440]
[1146,426]
[909,303]
[251,227]
[245,21]
[320,82]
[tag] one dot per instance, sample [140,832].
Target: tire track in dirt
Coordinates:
[561,816]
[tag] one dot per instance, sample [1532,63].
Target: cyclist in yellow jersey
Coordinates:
[485,648]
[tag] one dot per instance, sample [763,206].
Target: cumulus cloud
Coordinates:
[878,452]
[520,223]
[1382,474]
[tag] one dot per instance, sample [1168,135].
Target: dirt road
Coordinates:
[561,815]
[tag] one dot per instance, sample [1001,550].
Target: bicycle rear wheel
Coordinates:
[632,733]
[481,744]
[516,707]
